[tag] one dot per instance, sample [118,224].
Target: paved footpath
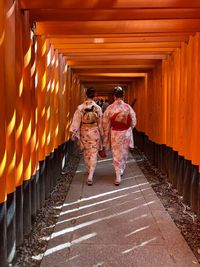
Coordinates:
[110,226]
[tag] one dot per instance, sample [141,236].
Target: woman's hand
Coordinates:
[72,136]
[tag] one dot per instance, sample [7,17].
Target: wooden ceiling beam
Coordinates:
[125,40]
[127,26]
[112,63]
[106,4]
[114,74]
[120,35]
[118,46]
[107,84]
[108,56]
[107,71]
[112,14]
[164,50]
[105,79]
[133,67]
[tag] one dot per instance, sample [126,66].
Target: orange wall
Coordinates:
[35,99]
[2,107]
[168,107]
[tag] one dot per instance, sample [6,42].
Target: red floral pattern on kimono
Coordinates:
[89,135]
[119,140]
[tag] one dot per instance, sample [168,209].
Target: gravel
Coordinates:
[31,252]
[184,218]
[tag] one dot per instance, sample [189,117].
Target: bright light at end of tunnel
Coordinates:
[99,40]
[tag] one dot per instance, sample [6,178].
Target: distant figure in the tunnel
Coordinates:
[118,121]
[105,105]
[87,127]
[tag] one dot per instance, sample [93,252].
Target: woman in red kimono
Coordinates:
[118,121]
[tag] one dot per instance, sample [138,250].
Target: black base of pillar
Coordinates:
[33,195]
[27,207]
[19,215]
[194,190]
[55,168]
[3,235]
[42,173]
[175,169]
[11,226]
[50,170]
[187,182]
[180,178]
[47,177]
[180,172]
[37,181]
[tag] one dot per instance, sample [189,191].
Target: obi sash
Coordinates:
[120,121]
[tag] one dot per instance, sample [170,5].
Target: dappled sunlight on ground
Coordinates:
[104,225]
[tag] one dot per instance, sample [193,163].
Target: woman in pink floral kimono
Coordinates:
[87,127]
[118,121]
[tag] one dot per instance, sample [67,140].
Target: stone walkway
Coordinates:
[110,226]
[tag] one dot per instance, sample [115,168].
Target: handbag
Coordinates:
[102,153]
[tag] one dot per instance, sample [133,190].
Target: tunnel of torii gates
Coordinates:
[50,51]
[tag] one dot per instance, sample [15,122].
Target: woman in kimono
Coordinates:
[87,127]
[118,121]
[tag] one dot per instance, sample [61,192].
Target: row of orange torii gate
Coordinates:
[38,96]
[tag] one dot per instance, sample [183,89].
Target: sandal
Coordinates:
[89,182]
[117,182]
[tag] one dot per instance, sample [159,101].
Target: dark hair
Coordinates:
[118,92]
[91,92]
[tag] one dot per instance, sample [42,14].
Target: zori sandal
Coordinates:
[90,182]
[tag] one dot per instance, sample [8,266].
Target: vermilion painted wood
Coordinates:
[2,107]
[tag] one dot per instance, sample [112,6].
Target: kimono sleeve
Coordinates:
[76,123]
[133,117]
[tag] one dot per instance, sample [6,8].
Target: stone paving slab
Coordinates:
[109,226]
